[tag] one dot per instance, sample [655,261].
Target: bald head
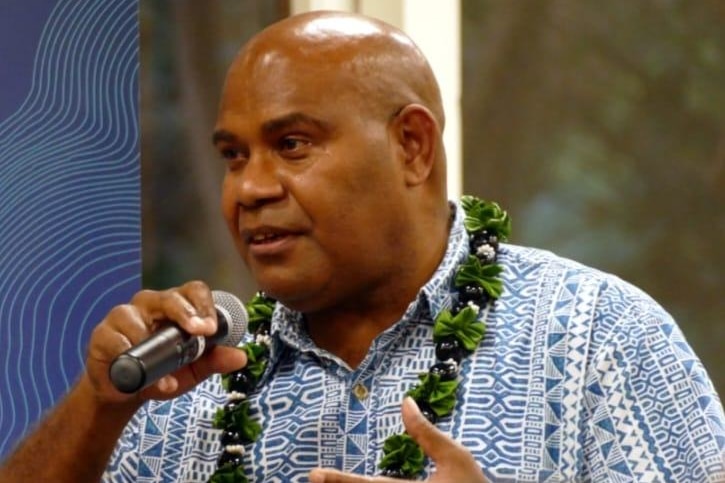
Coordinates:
[378,62]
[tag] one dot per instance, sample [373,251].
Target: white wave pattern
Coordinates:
[70,242]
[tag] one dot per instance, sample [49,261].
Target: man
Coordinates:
[330,126]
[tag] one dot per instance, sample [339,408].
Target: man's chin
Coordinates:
[288,290]
[303,299]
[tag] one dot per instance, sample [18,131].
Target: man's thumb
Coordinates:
[432,441]
[453,461]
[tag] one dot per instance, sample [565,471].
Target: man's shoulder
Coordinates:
[524,257]
[570,291]
[535,264]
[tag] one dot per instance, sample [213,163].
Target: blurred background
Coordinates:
[599,126]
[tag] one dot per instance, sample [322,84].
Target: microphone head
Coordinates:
[231,311]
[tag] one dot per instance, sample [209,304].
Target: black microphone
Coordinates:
[171,348]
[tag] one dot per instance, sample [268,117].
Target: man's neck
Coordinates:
[350,334]
[348,331]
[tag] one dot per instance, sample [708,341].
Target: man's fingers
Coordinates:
[325,475]
[191,307]
[178,308]
[123,328]
[167,384]
[434,443]
[453,461]
[431,440]
[334,476]
[200,296]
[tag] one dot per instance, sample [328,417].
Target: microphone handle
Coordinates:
[166,351]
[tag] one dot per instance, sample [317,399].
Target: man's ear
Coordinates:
[417,134]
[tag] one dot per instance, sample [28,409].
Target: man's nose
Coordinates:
[259,181]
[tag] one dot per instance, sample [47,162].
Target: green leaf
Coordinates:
[256,369]
[250,431]
[247,427]
[260,310]
[486,276]
[238,418]
[485,215]
[257,359]
[439,395]
[254,351]
[219,419]
[464,326]
[229,474]
[401,451]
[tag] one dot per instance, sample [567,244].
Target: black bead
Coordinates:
[481,238]
[241,381]
[450,348]
[231,437]
[471,293]
[477,239]
[458,306]
[391,472]
[427,412]
[446,370]
[232,405]
[228,458]
[262,330]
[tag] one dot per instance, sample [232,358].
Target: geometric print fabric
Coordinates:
[580,377]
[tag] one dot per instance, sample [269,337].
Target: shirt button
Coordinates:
[360,391]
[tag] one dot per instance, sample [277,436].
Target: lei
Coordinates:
[456,332]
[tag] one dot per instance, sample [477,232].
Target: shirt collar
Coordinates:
[437,293]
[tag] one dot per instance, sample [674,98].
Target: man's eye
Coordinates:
[230,153]
[233,157]
[293,145]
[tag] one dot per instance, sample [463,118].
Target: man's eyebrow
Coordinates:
[294,119]
[222,135]
[275,125]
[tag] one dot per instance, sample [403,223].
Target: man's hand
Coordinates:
[91,417]
[191,307]
[454,463]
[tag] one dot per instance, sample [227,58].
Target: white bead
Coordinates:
[263,340]
[486,251]
[236,396]
[234,449]
[475,307]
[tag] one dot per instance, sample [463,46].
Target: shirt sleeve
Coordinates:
[651,412]
[123,465]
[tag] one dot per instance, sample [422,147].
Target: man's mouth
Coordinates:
[265,235]
[262,238]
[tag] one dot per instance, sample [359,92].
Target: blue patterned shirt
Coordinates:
[580,377]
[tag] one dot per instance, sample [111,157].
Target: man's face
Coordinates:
[312,189]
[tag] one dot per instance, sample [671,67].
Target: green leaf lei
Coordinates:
[464,326]
[400,451]
[438,394]
[456,332]
[229,474]
[238,428]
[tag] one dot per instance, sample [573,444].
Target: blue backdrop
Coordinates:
[70,238]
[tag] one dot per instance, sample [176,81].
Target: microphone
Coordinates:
[171,347]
